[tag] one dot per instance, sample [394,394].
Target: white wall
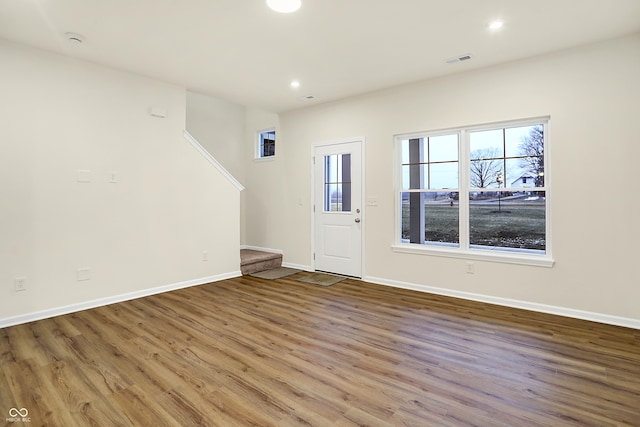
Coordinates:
[228,132]
[591,94]
[59,115]
[264,179]
[219,126]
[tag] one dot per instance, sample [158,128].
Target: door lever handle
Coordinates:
[357,220]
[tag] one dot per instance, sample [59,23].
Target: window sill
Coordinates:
[476,255]
[264,159]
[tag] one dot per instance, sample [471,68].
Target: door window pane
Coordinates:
[337,183]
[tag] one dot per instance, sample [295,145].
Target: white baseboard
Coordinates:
[506,302]
[297,266]
[257,248]
[58,311]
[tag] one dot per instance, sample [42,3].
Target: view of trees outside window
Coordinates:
[510,160]
[505,189]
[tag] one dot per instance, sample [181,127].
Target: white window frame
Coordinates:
[463,251]
[258,152]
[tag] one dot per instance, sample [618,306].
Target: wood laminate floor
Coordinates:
[254,352]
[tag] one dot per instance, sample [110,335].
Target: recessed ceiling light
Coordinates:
[74,38]
[295,84]
[496,25]
[284,6]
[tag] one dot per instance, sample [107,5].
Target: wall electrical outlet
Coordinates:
[205,256]
[21,284]
[471,267]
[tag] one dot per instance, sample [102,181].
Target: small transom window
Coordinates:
[266,143]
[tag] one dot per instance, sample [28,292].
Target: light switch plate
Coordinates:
[21,284]
[83,274]
[83,176]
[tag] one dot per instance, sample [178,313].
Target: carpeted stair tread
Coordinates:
[252,261]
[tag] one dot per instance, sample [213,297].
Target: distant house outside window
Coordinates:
[266,143]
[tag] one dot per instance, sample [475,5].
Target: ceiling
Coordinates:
[242,51]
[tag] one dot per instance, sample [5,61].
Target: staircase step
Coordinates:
[252,261]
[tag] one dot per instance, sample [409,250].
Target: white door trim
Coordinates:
[361,141]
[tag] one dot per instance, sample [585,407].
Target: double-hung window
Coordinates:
[478,192]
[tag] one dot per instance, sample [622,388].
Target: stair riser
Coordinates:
[261,266]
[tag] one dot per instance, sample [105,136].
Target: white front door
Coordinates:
[338,208]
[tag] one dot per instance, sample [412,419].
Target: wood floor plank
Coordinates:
[141,410]
[194,410]
[23,347]
[19,381]
[6,350]
[256,352]
[99,368]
